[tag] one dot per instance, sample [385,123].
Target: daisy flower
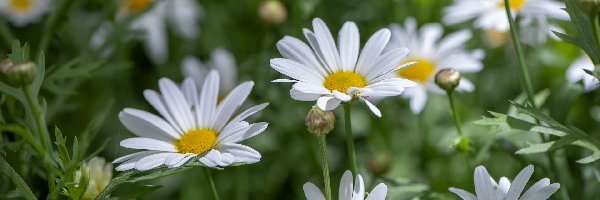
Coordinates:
[182,15]
[432,53]
[331,74]
[23,12]
[221,60]
[490,15]
[348,191]
[191,125]
[575,73]
[487,188]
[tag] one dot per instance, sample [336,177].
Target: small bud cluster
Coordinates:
[17,74]
[319,122]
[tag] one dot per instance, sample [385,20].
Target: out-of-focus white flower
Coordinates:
[331,74]
[432,53]
[272,11]
[23,12]
[221,60]
[490,15]
[100,174]
[348,190]
[575,73]
[182,15]
[486,187]
[191,125]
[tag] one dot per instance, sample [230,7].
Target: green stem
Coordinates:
[454,112]
[325,166]
[523,72]
[40,126]
[350,139]
[211,183]
[596,26]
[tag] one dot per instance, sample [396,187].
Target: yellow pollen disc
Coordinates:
[20,5]
[342,80]
[135,6]
[196,141]
[419,72]
[514,4]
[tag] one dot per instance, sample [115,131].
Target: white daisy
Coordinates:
[331,74]
[575,73]
[348,191]
[490,15]
[221,60]
[432,53]
[23,12]
[191,124]
[487,188]
[183,15]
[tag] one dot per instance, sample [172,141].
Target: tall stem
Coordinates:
[325,166]
[454,113]
[350,139]
[211,183]
[523,72]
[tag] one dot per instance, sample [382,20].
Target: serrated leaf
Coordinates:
[548,146]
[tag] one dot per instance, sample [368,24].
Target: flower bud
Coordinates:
[272,11]
[17,74]
[99,175]
[447,79]
[379,163]
[319,122]
[590,6]
[461,143]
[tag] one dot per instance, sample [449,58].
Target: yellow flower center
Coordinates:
[20,5]
[136,6]
[514,4]
[419,72]
[196,141]
[342,80]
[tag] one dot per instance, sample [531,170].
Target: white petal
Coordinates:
[130,160]
[151,161]
[296,70]
[231,103]
[209,95]
[328,103]
[463,194]
[312,192]
[483,187]
[174,159]
[326,44]
[545,192]
[372,107]
[154,37]
[184,15]
[346,186]
[156,100]
[294,49]
[145,124]
[372,50]
[342,96]
[359,188]
[465,86]
[176,104]
[302,96]
[148,144]
[519,183]
[192,67]
[311,88]
[418,99]
[224,62]
[535,188]
[188,87]
[241,153]
[349,44]
[378,193]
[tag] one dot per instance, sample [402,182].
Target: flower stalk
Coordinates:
[350,139]
[325,166]
[211,183]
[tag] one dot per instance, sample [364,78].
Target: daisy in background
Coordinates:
[100,174]
[331,74]
[487,188]
[348,191]
[576,73]
[220,60]
[181,15]
[23,12]
[490,15]
[432,53]
[192,125]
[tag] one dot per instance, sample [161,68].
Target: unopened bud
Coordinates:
[272,11]
[461,143]
[17,74]
[379,163]
[494,38]
[590,6]
[447,79]
[319,122]
[99,174]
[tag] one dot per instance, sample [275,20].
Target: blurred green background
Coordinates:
[421,162]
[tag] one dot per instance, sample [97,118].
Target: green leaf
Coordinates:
[548,146]
[7,170]
[583,25]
